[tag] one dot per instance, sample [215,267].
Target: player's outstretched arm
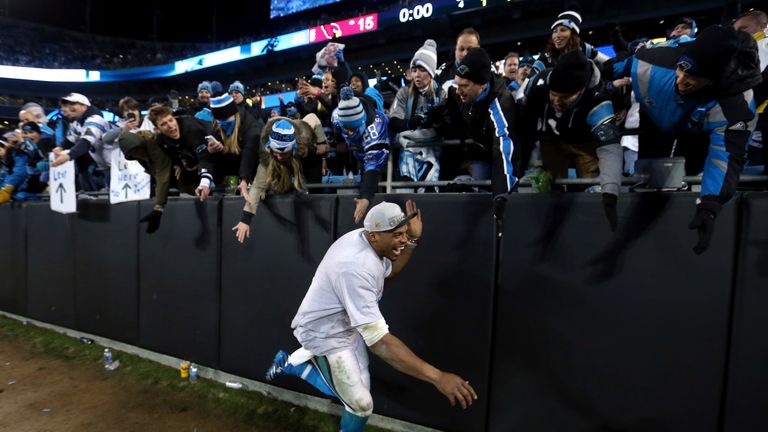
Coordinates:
[393,351]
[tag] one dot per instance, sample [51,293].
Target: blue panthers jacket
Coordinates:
[15,166]
[724,111]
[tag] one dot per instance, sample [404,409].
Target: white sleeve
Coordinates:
[374,331]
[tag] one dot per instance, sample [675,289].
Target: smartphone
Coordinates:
[210,138]
[130,116]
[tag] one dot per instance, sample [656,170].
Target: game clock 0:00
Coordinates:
[416,13]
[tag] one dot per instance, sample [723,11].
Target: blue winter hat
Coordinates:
[223,107]
[282,137]
[216,88]
[205,85]
[236,86]
[539,65]
[351,112]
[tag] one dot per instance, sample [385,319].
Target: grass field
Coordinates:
[250,409]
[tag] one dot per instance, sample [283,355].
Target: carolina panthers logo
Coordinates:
[686,64]
[462,70]
[740,126]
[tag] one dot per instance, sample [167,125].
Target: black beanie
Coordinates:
[571,73]
[223,107]
[476,66]
[340,76]
[31,127]
[709,55]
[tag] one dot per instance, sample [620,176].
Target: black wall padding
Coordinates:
[51,260]
[746,406]
[440,306]
[107,291]
[610,332]
[265,279]
[13,256]
[179,281]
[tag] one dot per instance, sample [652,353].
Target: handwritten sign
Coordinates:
[62,187]
[128,180]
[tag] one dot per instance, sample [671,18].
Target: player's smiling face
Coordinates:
[390,244]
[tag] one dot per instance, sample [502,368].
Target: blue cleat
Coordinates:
[278,366]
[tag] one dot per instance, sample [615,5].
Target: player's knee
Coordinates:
[362,404]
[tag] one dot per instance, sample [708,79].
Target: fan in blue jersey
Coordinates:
[365,130]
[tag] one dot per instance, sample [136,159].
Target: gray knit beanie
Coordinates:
[426,57]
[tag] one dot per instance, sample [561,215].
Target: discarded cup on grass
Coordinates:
[234,385]
[112,365]
[86,340]
[184,369]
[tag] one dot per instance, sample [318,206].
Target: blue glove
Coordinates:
[340,55]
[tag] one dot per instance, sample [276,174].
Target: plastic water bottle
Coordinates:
[107,356]
[193,373]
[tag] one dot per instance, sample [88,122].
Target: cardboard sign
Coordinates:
[129,181]
[62,187]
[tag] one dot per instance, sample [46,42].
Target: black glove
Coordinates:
[704,222]
[153,220]
[416,121]
[499,204]
[609,205]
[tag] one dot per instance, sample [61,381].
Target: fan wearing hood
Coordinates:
[693,90]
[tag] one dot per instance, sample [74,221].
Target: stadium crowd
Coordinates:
[35,45]
[696,95]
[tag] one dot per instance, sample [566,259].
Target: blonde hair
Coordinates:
[279,175]
[412,89]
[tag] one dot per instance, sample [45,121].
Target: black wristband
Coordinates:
[246,218]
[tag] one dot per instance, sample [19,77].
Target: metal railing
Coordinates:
[389,184]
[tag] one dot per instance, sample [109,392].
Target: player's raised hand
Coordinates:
[414,225]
